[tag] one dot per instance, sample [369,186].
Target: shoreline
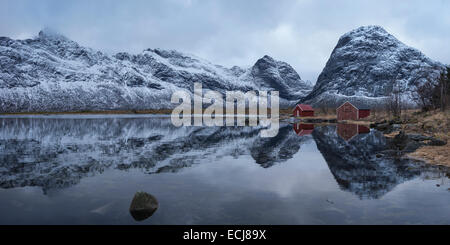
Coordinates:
[109,112]
[434,124]
[283,112]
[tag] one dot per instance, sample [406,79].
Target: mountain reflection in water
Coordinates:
[358,161]
[54,153]
[57,153]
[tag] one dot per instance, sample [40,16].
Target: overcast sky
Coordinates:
[302,33]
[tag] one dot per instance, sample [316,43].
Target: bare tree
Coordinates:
[434,93]
[424,95]
[395,104]
[443,88]
[324,110]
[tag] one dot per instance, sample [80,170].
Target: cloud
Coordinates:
[231,32]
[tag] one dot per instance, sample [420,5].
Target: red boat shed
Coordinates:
[348,111]
[303,110]
[362,113]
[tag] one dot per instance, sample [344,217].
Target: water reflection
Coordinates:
[360,162]
[58,153]
[348,131]
[302,129]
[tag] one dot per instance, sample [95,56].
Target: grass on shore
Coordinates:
[434,123]
[437,125]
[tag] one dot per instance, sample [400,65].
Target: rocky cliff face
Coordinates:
[270,74]
[53,73]
[365,66]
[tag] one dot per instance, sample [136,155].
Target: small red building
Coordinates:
[303,110]
[302,129]
[348,111]
[363,112]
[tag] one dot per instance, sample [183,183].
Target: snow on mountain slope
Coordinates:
[366,64]
[53,73]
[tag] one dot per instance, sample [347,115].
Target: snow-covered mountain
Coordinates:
[364,67]
[53,73]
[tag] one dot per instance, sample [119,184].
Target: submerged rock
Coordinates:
[411,142]
[143,206]
[407,143]
[418,137]
[396,127]
[401,140]
[437,142]
[385,127]
[412,146]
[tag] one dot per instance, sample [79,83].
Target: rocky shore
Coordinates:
[422,136]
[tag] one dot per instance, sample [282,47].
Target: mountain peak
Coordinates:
[267,57]
[368,35]
[368,32]
[270,73]
[167,53]
[50,34]
[369,29]
[265,62]
[365,65]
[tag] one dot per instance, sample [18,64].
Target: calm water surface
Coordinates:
[86,170]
